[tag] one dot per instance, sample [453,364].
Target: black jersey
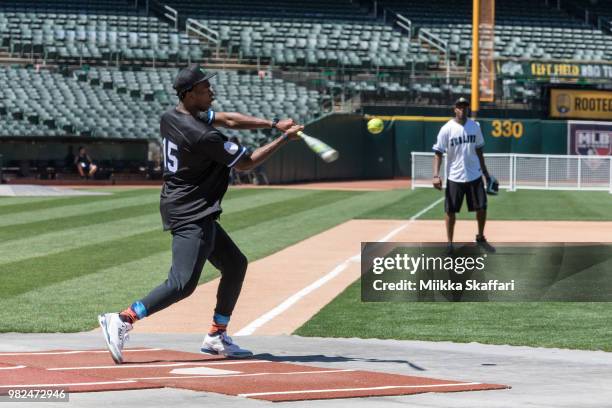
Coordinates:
[197,162]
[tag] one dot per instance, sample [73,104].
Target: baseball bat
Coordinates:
[327,153]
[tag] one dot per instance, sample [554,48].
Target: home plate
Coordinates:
[202,371]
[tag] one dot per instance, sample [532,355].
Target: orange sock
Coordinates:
[128,315]
[217,327]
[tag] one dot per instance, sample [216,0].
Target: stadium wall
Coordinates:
[387,155]
[36,150]
[362,155]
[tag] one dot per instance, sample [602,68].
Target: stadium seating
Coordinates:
[599,9]
[109,103]
[344,10]
[314,33]
[524,29]
[250,94]
[115,7]
[320,43]
[89,36]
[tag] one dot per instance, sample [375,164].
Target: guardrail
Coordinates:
[433,40]
[604,24]
[164,10]
[194,26]
[404,23]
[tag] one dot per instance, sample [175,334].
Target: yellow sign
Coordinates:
[580,104]
[507,128]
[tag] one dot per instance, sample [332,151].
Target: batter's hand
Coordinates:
[437,182]
[285,124]
[292,132]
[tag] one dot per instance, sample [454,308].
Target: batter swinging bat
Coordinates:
[325,152]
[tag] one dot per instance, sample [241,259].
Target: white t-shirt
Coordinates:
[460,142]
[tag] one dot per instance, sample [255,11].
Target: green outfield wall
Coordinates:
[367,156]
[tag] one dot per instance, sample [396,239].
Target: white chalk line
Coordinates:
[157,365]
[290,301]
[183,377]
[68,384]
[384,387]
[51,353]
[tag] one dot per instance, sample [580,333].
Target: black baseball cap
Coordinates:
[189,77]
[462,101]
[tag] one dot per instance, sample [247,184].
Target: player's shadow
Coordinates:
[321,358]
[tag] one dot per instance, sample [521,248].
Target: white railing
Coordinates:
[404,23]
[530,171]
[165,10]
[433,40]
[194,26]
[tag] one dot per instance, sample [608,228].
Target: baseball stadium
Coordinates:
[301,167]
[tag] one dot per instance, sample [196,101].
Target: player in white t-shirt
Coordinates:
[462,141]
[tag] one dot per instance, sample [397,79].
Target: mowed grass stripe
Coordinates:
[24,276]
[17,200]
[53,215]
[118,227]
[64,218]
[91,220]
[109,289]
[66,264]
[263,213]
[37,204]
[518,205]
[29,204]
[45,245]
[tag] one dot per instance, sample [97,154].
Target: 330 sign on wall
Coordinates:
[507,128]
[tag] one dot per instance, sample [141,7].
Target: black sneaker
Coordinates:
[482,242]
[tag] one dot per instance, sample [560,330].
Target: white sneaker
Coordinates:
[222,344]
[115,333]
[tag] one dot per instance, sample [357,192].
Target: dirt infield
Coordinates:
[351,185]
[357,185]
[284,290]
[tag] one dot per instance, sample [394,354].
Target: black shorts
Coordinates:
[474,191]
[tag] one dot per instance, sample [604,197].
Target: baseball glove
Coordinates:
[492,186]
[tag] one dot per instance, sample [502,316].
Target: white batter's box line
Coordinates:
[52,353]
[158,365]
[384,387]
[237,375]
[67,384]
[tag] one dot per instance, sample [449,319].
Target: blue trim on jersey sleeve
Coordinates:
[437,150]
[238,156]
[211,116]
[480,145]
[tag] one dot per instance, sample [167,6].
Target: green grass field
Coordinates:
[64,260]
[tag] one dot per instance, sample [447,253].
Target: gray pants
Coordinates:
[192,244]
